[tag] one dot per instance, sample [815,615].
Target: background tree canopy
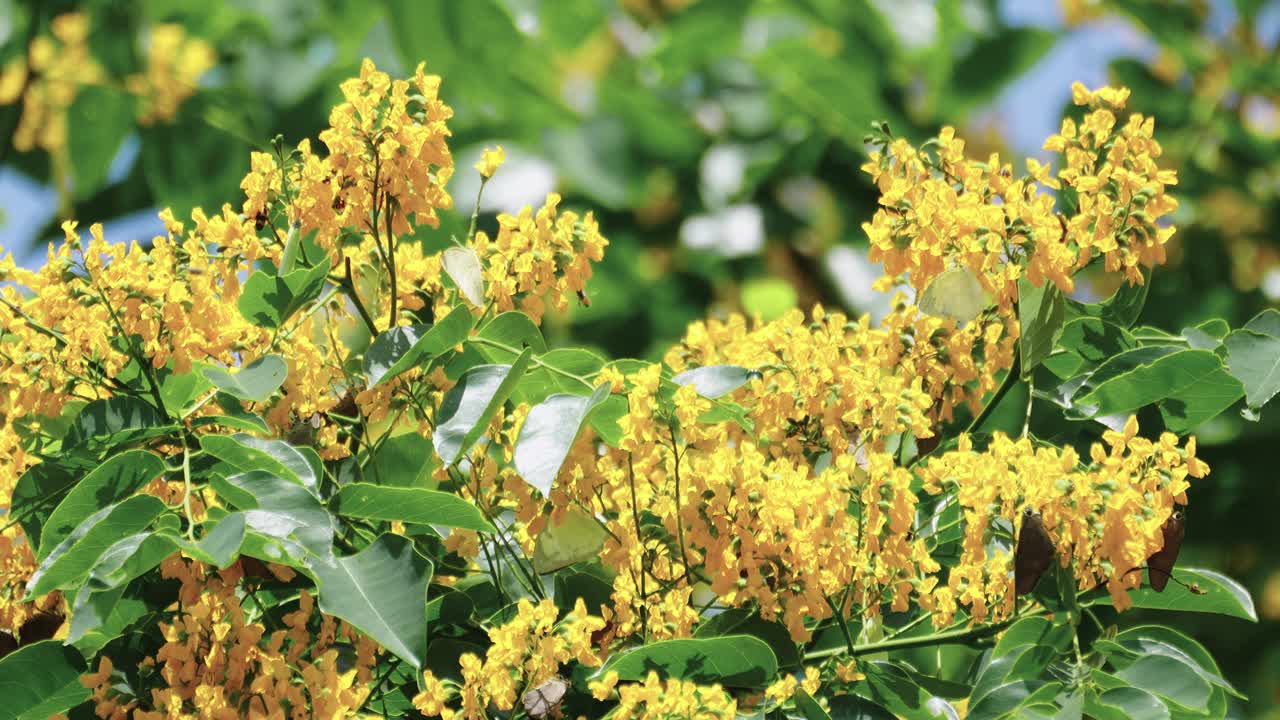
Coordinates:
[719,142]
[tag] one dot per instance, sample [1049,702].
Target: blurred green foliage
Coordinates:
[719,141]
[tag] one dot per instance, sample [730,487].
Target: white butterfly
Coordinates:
[545,699]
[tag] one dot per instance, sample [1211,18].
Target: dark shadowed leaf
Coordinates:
[1041,311]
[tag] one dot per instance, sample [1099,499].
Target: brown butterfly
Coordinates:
[7,643]
[1160,565]
[1034,553]
[41,626]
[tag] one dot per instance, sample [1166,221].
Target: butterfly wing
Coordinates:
[7,643]
[41,626]
[542,700]
[1160,565]
[1033,555]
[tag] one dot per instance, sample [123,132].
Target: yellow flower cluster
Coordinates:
[657,700]
[939,209]
[48,80]
[536,254]
[218,663]
[526,652]
[1120,190]
[387,165]
[175,62]
[1105,516]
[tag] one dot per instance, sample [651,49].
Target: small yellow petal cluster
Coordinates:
[175,62]
[387,165]
[490,161]
[219,662]
[538,254]
[526,651]
[48,80]
[941,210]
[657,700]
[1105,513]
[1119,187]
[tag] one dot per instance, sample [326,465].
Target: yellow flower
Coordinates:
[490,161]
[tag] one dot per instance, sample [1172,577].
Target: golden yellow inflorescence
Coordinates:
[787,496]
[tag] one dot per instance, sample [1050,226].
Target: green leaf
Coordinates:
[734,661]
[512,330]
[1036,632]
[592,584]
[892,688]
[1208,335]
[1191,386]
[1160,640]
[41,679]
[563,370]
[254,382]
[280,510]
[809,708]
[469,406]
[221,545]
[577,537]
[246,453]
[114,480]
[1002,699]
[97,618]
[128,558]
[604,419]
[404,460]
[955,293]
[40,489]
[1220,594]
[1122,308]
[1254,359]
[1126,703]
[417,506]
[1088,342]
[714,381]
[548,434]
[181,391]
[852,707]
[270,300]
[70,561]
[382,591]
[463,267]
[99,120]
[245,422]
[1169,678]
[1041,311]
[743,621]
[403,347]
[116,421]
